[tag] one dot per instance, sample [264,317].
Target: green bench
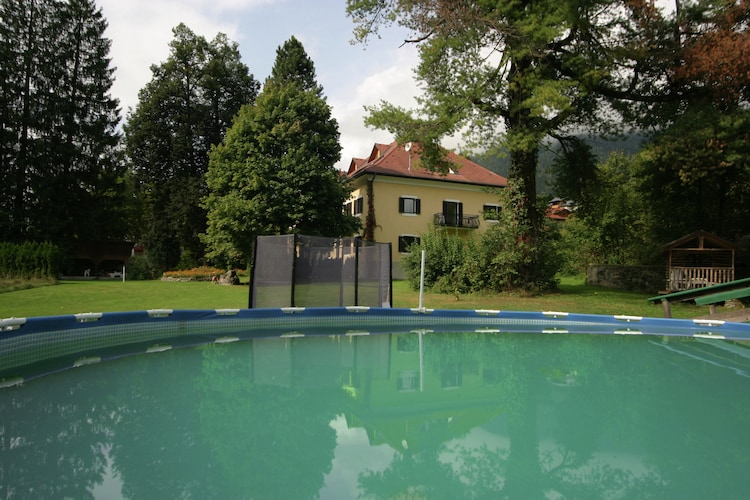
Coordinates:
[709,295]
[714,298]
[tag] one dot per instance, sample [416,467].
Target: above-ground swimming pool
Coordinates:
[373,403]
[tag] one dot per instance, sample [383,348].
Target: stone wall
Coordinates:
[643,279]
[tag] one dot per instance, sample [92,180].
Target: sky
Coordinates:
[352,75]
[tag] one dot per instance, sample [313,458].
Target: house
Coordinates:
[559,209]
[397,198]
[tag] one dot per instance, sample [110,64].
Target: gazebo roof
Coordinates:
[699,240]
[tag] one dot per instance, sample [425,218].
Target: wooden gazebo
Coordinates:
[697,260]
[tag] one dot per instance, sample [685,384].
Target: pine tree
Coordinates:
[58,145]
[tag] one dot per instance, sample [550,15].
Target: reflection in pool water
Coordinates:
[438,415]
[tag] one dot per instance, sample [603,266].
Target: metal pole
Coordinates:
[421,283]
[421,363]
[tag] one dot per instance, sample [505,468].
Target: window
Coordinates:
[405,241]
[359,205]
[407,343]
[453,212]
[491,211]
[348,208]
[409,205]
[452,376]
[408,380]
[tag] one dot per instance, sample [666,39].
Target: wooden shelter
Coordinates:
[698,260]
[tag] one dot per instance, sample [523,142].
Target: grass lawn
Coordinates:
[70,297]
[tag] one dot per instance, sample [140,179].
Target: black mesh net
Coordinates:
[314,271]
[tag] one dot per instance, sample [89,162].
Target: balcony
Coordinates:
[451,220]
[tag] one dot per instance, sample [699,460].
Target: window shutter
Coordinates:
[417,206]
[400,205]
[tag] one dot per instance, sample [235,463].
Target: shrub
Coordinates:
[141,268]
[444,255]
[500,260]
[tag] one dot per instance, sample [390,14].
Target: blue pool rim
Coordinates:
[68,341]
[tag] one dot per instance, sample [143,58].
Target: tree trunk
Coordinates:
[523,143]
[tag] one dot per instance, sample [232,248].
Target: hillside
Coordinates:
[601,147]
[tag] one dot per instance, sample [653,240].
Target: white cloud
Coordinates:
[141,30]
[352,76]
[394,84]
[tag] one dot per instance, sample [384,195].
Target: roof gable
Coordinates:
[404,161]
[699,240]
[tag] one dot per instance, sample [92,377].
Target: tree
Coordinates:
[514,73]
[274,173]
[181,113]
[696,174]
[695,171]
[717,61]
[58,149]
[614,223]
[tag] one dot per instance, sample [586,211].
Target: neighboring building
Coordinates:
[100,258]
[398,199]
[559,209]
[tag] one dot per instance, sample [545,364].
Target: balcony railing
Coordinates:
[468,221]
[686,278]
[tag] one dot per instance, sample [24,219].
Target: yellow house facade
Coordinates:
[397,199]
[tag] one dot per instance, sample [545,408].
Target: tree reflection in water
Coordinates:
[467,415]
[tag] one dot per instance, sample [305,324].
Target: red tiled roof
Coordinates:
[393,159]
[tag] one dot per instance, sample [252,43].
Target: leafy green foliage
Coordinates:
[697,174]
[613,223]
[140,267]
[182,112]
[531,70]
[500,260]
[30,260]
[274,172]
[445,254]
[509,260]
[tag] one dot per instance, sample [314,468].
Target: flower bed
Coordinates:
[203,273]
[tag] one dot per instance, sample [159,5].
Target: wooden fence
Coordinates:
[687,278]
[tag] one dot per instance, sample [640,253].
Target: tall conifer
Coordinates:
[274,173]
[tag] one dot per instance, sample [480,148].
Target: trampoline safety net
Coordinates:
[313,271]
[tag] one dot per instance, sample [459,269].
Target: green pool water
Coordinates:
[435,415]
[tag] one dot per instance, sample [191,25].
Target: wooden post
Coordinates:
[667,310]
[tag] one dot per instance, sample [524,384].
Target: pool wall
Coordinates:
[62,342]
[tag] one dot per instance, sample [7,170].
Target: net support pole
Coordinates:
[356,271]
[421,283]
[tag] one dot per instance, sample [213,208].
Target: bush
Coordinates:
[505,262]
[500,260]
[444,255]
[141,268]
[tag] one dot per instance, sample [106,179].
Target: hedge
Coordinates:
[30,260]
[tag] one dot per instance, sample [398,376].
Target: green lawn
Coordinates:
[70,297]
